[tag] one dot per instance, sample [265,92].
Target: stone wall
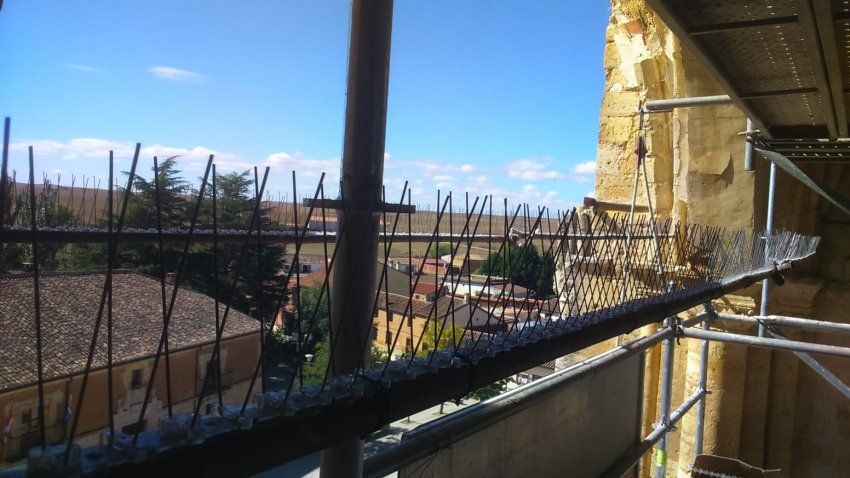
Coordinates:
[764,407]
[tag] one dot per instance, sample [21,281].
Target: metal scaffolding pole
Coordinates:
[669,347]
[361,182]
[817,367]
[768,231]
[765,342]
[703,385]
[749,150]
[667,105]
[628,460]
[781,320]
[808,324]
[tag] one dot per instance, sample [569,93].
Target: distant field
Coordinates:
[89,204]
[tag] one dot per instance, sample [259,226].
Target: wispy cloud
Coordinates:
[93,149]
[533,169]
[583,173]
[177,75]
[303,165]
[85,68]
[89,155]
[585,168]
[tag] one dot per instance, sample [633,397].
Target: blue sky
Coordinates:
[487,97]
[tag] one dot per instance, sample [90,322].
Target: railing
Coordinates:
[585,278]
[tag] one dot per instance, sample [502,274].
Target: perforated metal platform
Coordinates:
[786,64]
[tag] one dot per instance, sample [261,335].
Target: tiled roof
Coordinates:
[421,308]
[425,287]
[397,282]
[69,305]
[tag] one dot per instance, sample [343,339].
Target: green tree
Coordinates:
[49,213]
[173,198]
[316,311]
[143,257]
[431,335]
[314,372]
[11,254]
[488,391]
[437,251]
[523,266]
[257,284]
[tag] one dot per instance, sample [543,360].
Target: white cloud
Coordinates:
[89,156]
[85,68]
[175,74]
[79,148]
[583,172]
[535,169]
[585,167]
[443,178]
[94,149]
[302,165]
[467,168]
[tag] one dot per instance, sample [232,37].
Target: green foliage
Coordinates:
[258,275]
[314,372]
[431,335]
[173,190]
[437,251]
[523,266]
[49,212]
[285,344]
[314,310]
[11,254]
[377,355]
[488,391]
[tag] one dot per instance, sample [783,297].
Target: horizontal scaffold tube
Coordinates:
[781,320]
[655,106]
[764,342]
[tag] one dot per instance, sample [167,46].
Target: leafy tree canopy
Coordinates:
[524,266]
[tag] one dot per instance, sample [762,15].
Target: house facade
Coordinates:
[396,322]
[69,304]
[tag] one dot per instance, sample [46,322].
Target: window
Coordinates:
[408,345]
[389,337]
[374,333]
[29,428]
[136,379]
[29,420]
[212,372]
[389,316]
[134,427]
[410,322]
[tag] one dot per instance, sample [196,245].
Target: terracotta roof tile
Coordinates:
[69,304]
[421,308]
